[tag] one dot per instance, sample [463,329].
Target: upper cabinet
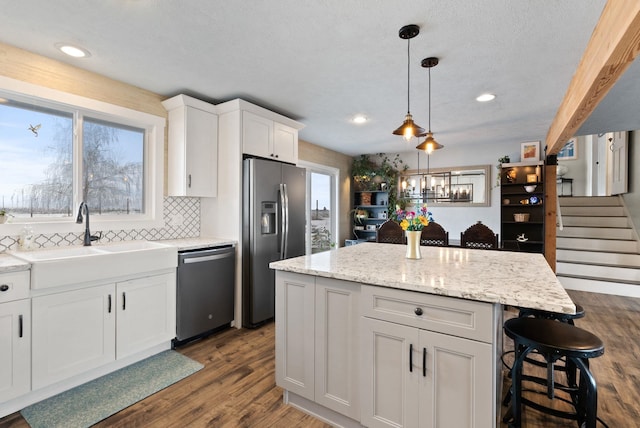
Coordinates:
[193,147]
[269,139]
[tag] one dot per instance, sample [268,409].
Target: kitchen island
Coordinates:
[366,337]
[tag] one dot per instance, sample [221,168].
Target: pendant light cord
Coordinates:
[429,99]
[408,73]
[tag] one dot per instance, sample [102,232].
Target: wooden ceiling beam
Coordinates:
[613,46]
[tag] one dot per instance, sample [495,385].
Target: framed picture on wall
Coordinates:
[530,152]
[569,151]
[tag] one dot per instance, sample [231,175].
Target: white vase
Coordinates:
[413,244]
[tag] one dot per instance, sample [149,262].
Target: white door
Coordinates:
[72,332]
[201,152]
[257,135]
[390,374]
[618,161]
[146,309]
[285,143]
[15,349]
[322,208]
[455,382]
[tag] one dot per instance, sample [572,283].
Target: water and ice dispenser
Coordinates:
[268,218]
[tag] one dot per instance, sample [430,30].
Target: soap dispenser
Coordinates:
[27,238]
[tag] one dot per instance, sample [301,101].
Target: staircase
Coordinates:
[597,249]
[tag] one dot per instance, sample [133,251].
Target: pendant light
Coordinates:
[408,129]
[429,144]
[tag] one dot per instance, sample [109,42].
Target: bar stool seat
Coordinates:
[554,340]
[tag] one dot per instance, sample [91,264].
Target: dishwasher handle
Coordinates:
[207,258]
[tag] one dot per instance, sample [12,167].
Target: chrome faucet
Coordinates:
[88,237]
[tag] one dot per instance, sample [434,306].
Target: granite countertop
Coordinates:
[509,278]
[9,263]
[184,244]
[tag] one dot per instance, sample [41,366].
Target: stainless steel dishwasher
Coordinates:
[205,291]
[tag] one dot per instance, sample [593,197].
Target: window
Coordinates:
[60,150]
[321,208]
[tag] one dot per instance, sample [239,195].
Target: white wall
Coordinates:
[578,169]
[632,198]
[456,219]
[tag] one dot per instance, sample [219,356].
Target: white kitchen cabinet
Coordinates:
[146,313]
[193,147]
[73,332]
[79,330]
[295,326]
[425,360]
[269,139]
[15,348]
[316,340]
[337,350]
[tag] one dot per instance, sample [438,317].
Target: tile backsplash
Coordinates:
[181,220]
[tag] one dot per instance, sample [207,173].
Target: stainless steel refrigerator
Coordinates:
[273,218]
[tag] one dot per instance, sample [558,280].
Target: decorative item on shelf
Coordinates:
[521,217]
[530,151]
[412,223]
[522,238]
[365,198]
[534,200]
[506,201]
[524,201]
[532,178]
[371,227]
[408,129]
[511,175]
[382,215]
[530,188]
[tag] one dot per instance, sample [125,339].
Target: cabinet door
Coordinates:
[457,382]
[285,143]
[337,359]
[201,153]
[15,349]
[390,374]
[257,135]
[146,313]
[72,332]
[295,296]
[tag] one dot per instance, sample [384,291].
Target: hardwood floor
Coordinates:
[236,387]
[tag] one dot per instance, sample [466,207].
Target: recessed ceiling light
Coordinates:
[359,119]
[74,51]
[486,97]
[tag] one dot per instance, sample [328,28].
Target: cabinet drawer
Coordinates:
[448,315]
[17,286]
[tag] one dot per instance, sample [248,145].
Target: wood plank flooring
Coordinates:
[236,388]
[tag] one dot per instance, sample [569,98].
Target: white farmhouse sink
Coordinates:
[83,265]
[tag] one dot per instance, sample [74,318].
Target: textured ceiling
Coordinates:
[322,62]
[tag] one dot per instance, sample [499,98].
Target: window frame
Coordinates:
[153,153]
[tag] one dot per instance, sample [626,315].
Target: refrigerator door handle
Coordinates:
[286,222]
[283,220]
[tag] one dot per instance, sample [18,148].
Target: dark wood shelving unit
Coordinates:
[376,205]
[526,236]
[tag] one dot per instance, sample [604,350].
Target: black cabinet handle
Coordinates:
[124,301]
[20,326]
[424,362]
[418,311]
[189,181]
[411,357]
[4,287]
[109,309]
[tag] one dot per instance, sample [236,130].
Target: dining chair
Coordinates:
[434,235]
[479,236]
[390,232]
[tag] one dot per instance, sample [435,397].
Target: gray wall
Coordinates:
[632,198]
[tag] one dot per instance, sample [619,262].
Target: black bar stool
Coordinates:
[554,340]
[537,313]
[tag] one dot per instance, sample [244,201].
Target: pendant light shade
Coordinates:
[409,128]
[429,144]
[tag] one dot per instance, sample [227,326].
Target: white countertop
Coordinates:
[509,278]
[9,263]
[184,244]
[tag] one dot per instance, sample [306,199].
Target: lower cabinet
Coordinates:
[317,350]
[15,349]
[419,378]
[79,330]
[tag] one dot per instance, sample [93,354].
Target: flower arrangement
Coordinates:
[412,221]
